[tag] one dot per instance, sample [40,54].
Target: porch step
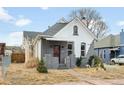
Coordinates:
[62,66]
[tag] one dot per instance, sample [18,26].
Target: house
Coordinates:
[60,44]
[13,49]
[2,52]
[2,48]
[110,47]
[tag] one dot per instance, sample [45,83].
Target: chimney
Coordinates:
[122,41]
[84,20]
[48,27]
[122,30]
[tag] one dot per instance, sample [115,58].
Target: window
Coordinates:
[70,49]
[75,30]
[104,54]
[121,56]
[83,46]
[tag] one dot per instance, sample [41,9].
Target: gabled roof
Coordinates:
[58,26]
[54,29]
[87,29]
[30,34]
[109,41]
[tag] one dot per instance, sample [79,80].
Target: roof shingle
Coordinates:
[54,29]
[109,41]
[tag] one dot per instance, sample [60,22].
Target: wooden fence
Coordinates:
[18,58]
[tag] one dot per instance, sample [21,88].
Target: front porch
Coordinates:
[58,54]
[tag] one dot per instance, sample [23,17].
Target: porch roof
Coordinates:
[58,39]
[114,49]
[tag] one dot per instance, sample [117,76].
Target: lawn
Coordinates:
[112,72]
[19,75]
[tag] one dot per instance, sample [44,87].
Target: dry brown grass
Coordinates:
[19,74]
[116,72]
[32,62]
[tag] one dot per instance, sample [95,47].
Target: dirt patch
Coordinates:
[19,75]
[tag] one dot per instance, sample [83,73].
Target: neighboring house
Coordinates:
[13,49]
[60,44]
[2,48]
[110,47]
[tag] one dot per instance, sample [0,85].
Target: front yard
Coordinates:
[19,75]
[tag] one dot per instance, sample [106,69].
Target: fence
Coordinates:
[18,58]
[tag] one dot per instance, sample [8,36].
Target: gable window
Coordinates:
[70,47]
[83,49]
[75,30]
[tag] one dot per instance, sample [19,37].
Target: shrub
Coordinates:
[78,61]
[41,68]
[31,63]
[90,62]
[95,61]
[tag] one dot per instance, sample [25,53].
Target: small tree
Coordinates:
[41,67]
[78,61]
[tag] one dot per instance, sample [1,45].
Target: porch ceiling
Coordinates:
[58,39]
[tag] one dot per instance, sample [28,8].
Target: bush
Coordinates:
[90,62]
[78,62]
[95,61]
[31,63]
[41,68]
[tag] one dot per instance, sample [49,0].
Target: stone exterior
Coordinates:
[51,62]
[70,61]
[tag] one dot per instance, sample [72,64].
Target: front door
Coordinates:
[56,51]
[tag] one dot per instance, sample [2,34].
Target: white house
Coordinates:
[62,42]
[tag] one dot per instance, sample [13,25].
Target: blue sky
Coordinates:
[15,20]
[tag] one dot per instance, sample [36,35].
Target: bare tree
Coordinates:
[93,21]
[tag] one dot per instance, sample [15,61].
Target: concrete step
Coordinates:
[62,66]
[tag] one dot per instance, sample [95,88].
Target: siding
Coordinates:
[104,53]
[83,36]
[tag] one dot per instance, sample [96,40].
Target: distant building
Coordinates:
[110,47]
[13,49]
[2,48]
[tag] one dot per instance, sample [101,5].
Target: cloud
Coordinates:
[15,38]
[4,16]
[120,23]
[44,8]
[22,22]
[16,34]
